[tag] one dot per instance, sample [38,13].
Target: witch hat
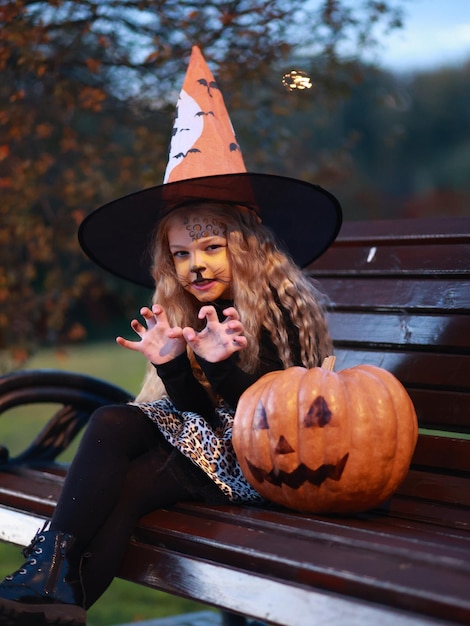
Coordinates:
[205,163]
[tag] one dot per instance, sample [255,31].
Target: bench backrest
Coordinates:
[400,299]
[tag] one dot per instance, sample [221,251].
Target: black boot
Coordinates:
[47,589]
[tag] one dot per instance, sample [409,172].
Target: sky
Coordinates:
[435,33]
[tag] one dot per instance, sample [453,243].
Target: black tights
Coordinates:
[122,470]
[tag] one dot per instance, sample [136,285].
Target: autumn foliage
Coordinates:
[87,95]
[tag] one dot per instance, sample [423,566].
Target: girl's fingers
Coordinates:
[174,333]
[159,312]
[189,334]
[209,313]
[240,341]
[137,327]
[236,326]
[231,312]
[125,343]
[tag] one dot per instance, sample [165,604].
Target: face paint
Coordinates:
[198,246]
[199,226]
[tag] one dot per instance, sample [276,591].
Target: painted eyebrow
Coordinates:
[206,240]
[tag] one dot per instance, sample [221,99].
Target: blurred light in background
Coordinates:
[296,79]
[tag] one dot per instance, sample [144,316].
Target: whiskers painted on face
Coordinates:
[216,275]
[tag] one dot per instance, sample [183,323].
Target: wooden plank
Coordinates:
[434,487]
[447,453]
[434,382]
[433,515]
[367,526]
[428,259]
[442,410]
[441,333]
[390,521]
[391,294]
[449,230]
[262,598]
[413,368]
[29,491]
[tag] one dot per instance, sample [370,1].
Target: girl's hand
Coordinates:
[158,341]
[219,340]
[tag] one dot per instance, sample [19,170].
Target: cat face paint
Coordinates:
[199,226]
[198,245]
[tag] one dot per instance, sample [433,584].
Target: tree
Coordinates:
[408,154]
[87,93]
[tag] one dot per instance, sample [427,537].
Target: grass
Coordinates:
[123,602]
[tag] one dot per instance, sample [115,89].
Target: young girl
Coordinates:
[229,305]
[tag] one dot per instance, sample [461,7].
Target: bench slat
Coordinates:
[416,231]
[369,525]
[442,410]
[401,259]
[448,518]
[262,597]
[397,294]
[442,333]
[427,369]
[422,485]
[433,382]
[30,491]
[443,453]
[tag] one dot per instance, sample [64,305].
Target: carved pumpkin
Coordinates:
[325,442]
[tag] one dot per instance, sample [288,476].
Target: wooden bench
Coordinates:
[400,299]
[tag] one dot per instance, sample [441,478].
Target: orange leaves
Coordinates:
[77,332]
[78,216]
[44,130]
[41,69]
[92,98]
[17,95]
[69,140]
[10,11]
[93,65]
[227,18]
[104,41]
[6,182]
[44,162]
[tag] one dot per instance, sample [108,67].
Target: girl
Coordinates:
[229,306]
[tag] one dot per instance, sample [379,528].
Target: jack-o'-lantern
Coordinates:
[325,442]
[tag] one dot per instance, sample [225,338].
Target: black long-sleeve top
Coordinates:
[226,377]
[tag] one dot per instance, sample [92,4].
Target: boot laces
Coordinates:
[28,552]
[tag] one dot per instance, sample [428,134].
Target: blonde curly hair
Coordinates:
[267,284]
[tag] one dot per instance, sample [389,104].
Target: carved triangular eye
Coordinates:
[283,446]
[319,413]
[260,419]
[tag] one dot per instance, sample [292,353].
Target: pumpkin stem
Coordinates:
[328,363]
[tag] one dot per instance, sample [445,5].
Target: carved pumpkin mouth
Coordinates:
[300,475]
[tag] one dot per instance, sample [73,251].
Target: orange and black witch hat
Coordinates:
[205,163]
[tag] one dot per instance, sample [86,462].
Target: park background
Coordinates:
[87,97]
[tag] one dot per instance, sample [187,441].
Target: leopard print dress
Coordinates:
[209,448]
